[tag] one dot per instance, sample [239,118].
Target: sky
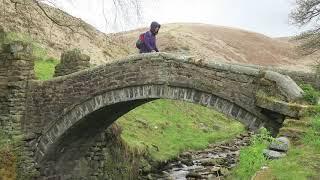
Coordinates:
[269,17]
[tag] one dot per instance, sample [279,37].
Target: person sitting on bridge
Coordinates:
[147,40]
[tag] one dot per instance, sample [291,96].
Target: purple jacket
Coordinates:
[150,39]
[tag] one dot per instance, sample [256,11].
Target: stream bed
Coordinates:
[215,162]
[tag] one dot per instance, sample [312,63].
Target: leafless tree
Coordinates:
[307,13]
[124,11]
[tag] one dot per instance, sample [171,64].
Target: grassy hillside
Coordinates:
[200,40]
[165,128]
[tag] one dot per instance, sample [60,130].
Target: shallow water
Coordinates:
[215,162]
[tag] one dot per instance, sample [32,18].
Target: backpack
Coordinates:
[140,41]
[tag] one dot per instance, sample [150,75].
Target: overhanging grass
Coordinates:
[166,128]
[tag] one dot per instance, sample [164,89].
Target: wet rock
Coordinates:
[193,175]
[224,172]
[215,169]
[280,144]
[270,154]
[239,137]
[186,155]
[165,174]
[145,167]
[208,163]
[149,177]
[214,162]
[187,162]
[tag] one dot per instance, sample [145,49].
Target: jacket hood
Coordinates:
[153,26]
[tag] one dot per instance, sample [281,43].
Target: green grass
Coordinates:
[251,157]
[312,137]
[44,69]
[301,163]
[165,128]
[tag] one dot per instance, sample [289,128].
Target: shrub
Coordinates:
[310,94]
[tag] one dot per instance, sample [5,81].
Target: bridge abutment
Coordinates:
[16,69]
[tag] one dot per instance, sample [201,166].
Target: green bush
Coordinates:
[310,94]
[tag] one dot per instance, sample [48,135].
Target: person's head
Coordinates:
[154,28]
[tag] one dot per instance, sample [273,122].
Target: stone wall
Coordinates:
[106,158]
[2,34]
[4,90]
[16,70]
[72,61]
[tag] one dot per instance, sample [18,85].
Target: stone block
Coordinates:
[281,144]
[270,154]
[281,107]
[286,85]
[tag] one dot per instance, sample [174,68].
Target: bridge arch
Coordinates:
[121,101]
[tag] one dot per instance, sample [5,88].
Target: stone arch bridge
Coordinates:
[60,117]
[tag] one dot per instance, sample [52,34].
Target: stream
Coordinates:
[215,162]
